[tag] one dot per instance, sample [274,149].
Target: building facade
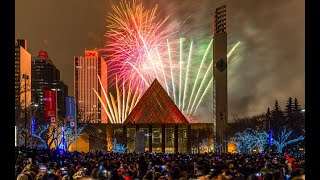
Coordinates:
[220,78]
[47,77]
[156,125]
[87,69]
[22,76]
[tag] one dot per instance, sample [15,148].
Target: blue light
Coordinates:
[62,145]
[33,122]
[270,136]
[288,176]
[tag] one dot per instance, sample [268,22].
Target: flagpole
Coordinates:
[76,123]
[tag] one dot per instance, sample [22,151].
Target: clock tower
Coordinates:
[220,79]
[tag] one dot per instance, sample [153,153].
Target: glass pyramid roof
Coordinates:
[155,106]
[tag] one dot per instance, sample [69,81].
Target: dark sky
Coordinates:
[269,63]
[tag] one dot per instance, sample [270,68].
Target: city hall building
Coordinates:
[155,125]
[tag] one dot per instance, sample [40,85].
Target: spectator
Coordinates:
[133,166]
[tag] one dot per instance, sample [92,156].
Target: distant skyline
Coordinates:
[269,64]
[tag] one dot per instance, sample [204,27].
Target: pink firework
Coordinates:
[135,40]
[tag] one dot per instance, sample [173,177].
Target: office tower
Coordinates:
[22,77]
[87,68]
[45,76]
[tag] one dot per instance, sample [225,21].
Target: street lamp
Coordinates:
[25,77]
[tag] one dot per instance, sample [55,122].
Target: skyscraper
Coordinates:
[47,77]
[220,77]
[22,76]
[87,68]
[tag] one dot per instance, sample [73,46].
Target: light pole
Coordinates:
[269,143]
[25,77]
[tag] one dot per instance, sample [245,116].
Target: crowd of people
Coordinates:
[45,164]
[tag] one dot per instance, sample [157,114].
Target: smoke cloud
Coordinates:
[269,63]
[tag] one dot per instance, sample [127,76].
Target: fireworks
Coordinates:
[188,90]
[118,110]
[138,51]
[133,39]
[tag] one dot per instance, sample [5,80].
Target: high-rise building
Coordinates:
[220,78]
[87,68]
[62,92]
[45,76]
[22,76]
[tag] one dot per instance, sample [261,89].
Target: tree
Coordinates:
[283,140]
[296,120]
[118,148]
[258,122]
[39,135]
[70,135]
[24,134]
[48,134]
[298,117]
[55,135]
[201,138]
[296,105]
[268,119]
[261,139]
[244,141]
[289,111]
[277,118]
[205,138]
[289,106]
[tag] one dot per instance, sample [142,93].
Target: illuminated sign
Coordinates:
[70,111]
[91,54]
[43,54]
[51,106]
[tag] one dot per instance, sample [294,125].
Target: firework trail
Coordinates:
[186,78]
[118,109]
[189,100]
[198,73]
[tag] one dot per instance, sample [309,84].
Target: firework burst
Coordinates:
[135,35]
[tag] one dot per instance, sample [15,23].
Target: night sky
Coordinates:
[269,64]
